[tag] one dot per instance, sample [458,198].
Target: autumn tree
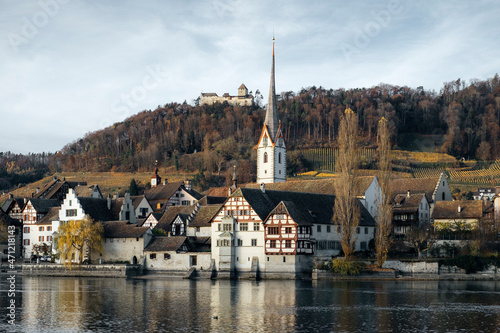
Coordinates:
[384,207]
[77,238]
[347,211]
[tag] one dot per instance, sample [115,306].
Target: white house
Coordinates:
[125,242]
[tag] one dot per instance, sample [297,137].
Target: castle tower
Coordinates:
[271,150]
[242,91]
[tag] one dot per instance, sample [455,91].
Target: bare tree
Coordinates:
[347,211]
[421,239]
[384,207]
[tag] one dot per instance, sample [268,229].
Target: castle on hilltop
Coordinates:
[243,98]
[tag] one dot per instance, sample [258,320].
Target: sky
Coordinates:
[70,67]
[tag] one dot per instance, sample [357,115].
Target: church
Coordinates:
[271,149]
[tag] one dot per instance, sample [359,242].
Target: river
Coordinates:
[47,304]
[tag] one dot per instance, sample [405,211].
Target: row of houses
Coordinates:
[276,227]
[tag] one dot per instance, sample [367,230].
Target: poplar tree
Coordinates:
[384,207]
[347,211]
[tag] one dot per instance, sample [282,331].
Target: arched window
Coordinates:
[279,157]
[265,157]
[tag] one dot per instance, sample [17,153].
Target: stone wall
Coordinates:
[420,267]
[116,270]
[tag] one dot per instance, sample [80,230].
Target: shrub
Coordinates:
[471,264]
[344,267]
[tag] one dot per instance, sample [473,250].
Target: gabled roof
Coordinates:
[210,200]
[204,215]
[220,192]
[402,203]
[318,206]
[242,86]
[469,209]
[7,206]
[52,215]
[162,192]
[163,243]
[96,208]
[123,229]
[171,213]
[137,199]
[414,185]
[86,191]
[6,220]
[294,212]
[42,206]
[319,186]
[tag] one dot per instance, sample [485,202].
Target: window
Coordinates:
[256,226]
[318,228]
[40,238]
[144,212]
[40,228]
[166,256]
[185,203]
[193,260]
[254,242]
[328,228]
[366,231]
[265,141]
[26,230]
[284,259]
[272,244]
[127,216]
[70,202]
[288,244]
[363,245]
[279,157]
[26,242]
[152,256]
[273,230]
[70,212]
[49,228]
[244,226]
[443,193]
[49,238]
[227,227]
[357,230]
[279,216]
[265,157]
[240,242]
[288,230]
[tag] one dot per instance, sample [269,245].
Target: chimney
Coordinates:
[109,201]
[187,185]
[459,208]
[263,187]
[408,194]
[165,181]
[37,190]
[11,196]
[229,191]
[32,194]
[55,177]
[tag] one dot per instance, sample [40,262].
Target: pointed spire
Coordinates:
[272,115]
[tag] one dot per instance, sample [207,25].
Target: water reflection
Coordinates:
[119,305]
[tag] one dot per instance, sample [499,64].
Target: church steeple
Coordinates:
[272,115]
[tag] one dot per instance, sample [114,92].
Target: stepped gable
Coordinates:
[403,203]
[469,209]
[42,206]
[116,207]
[318,186]
[170,214]
[414,185]
[164,243]
[96,208]
[204,215]
[52,215]
[6,220]
[123,229]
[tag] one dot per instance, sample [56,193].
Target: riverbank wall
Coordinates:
[105,270]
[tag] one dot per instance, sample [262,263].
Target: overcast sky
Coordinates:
[70,67]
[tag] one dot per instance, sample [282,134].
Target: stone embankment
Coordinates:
[105,270]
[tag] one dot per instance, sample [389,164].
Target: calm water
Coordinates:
[119,305]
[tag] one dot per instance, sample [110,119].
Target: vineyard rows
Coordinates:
[325,158]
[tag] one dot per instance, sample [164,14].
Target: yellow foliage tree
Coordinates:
[78,236]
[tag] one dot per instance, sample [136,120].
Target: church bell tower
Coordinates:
[271,149]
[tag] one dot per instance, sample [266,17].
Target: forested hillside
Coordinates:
[466,116]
